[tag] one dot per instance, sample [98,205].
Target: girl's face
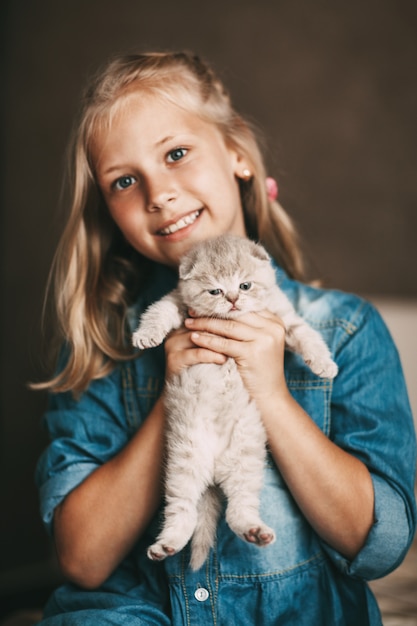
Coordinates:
[168,179]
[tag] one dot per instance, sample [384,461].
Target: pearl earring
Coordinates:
[246,174]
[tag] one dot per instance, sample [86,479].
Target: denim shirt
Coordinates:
[297,580]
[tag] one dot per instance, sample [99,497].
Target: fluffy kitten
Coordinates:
[215,439]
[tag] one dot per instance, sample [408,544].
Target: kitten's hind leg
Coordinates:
[242,515]
[179,523]
[183,492]
[189,472]
[240,474]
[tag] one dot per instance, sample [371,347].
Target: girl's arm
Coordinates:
[332,488]
[98,522]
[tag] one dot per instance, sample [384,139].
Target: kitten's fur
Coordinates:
[215,437]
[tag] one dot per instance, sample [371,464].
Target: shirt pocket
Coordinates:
[140,392]
[147,392]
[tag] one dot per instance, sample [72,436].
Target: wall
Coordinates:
[332,85]
[400,315]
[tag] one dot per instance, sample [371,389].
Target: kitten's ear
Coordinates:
[186,267]
[259,252]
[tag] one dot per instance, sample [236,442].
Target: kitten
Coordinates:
[215,439]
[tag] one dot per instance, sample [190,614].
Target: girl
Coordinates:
[161,161]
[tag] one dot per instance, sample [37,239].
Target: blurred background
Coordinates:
[332,87]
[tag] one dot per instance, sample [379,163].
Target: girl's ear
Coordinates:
[241,167]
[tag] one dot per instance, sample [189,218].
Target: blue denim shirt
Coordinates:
[299,579]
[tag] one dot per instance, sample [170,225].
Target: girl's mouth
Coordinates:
[183,222]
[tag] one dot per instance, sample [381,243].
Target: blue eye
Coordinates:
[176,155]
[215,292]
[124,182]
[245,286]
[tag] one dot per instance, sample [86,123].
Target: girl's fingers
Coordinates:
[181,352]
[241,329]
[216,343]
[202,355]
[225,328]
[239,339]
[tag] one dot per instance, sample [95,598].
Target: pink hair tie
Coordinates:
[271,188]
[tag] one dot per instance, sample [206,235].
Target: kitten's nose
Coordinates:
[232,297]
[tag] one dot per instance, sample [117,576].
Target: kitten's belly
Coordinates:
[223,401]
[218,385]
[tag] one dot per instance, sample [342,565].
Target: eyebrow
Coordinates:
[165,139]
[159,143]
[113,168]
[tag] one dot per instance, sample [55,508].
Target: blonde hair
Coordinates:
[96,273]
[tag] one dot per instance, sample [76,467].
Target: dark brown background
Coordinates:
[332,85]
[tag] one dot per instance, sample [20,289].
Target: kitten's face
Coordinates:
[226,277]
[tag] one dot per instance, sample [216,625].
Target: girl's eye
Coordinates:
[245,286]
[176,155]
[215,292]
[124,182]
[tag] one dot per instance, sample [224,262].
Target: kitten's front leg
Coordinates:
[307,342]
[157,321]
[302,338]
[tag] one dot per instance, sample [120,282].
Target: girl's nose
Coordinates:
[161,195]
[161,203]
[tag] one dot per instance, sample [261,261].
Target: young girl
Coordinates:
[161,161]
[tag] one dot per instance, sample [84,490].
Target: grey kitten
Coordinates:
[215,439]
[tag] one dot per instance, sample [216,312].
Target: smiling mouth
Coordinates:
[185,221]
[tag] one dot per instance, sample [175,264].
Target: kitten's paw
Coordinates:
[323,367]
[260,535]
[144,340]
[159,552]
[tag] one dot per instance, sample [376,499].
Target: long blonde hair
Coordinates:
[96,273]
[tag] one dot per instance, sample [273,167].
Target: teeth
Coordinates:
[182,223]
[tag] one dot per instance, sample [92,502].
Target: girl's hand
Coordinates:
[181,352]
[256,341]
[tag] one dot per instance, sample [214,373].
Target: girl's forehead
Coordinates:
[152,121]
[152,114]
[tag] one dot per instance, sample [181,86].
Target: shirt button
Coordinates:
[201,594]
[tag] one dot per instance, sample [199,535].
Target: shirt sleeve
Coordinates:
[372,420]
[84,433]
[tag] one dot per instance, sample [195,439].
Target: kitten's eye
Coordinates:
[245,286]
[124,182]
[215,292]
[176,155]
